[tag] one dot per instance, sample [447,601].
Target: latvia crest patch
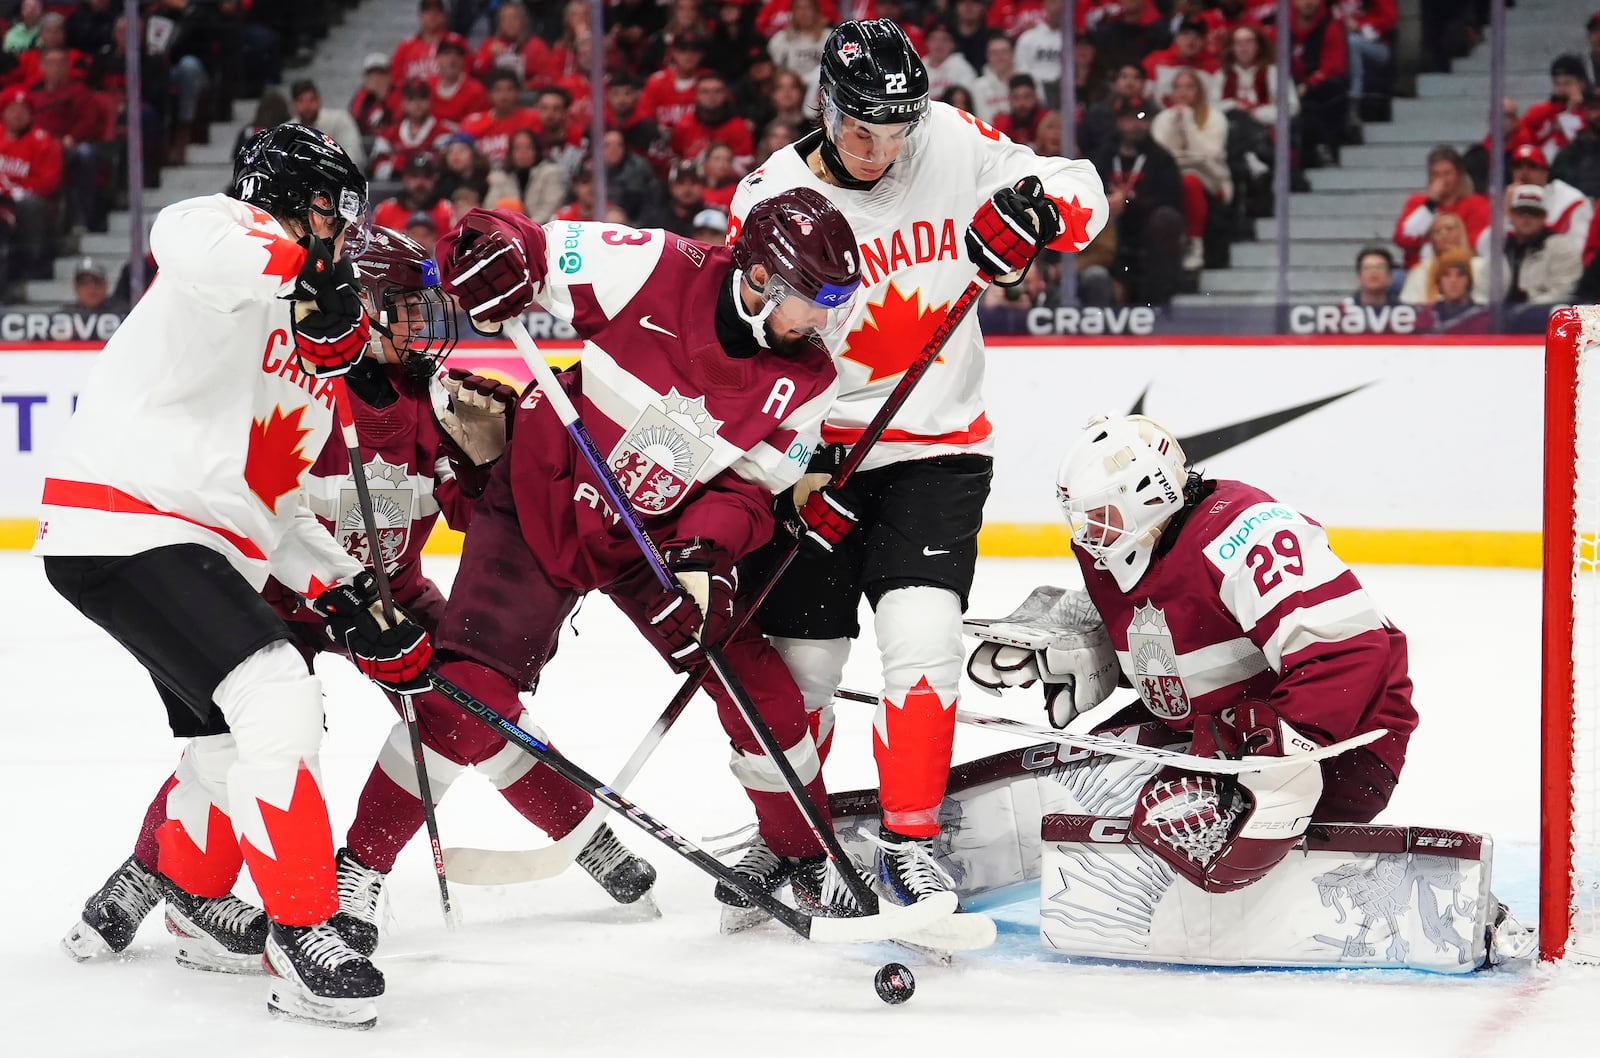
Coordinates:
[1155,664]
[393,499]
[663,452]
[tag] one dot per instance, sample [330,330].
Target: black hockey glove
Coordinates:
[815,512]
[1010,229]
[332,330]
[701,609]
[394,655]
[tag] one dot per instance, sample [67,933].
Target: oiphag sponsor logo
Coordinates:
[1231,547]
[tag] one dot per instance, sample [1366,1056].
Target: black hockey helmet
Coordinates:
[871,72]
[808,249]
[408,305]
[283,168]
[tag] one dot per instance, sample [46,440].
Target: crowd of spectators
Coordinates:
[64,102]
[1550,241]
[1175,101]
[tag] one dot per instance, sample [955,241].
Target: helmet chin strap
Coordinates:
[757,322]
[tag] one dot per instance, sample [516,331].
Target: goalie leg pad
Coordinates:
[919,637]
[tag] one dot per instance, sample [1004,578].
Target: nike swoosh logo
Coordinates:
[644,321]
[1202,446]
[931,551]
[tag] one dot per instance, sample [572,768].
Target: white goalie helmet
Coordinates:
[1120,483]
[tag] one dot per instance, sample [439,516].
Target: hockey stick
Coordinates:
[358,470]
[504,867]
[891,921]
[821,826]
[1115,747]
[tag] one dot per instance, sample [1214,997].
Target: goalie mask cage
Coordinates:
[1569,838]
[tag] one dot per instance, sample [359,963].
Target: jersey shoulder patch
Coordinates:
[1252,522]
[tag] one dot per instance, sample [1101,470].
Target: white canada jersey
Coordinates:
[196,425]
[911,226]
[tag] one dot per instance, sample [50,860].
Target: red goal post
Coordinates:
[1569,810]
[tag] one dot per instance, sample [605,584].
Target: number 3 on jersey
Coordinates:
[615,237]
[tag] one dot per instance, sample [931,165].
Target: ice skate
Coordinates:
[318,977]
[1509,940]
[112,915]
[907,869]
[360,898]
[223,934]
[765,870]
[820,888]
[625,877]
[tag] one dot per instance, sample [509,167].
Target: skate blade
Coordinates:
[739,919]
[283,1002]
[195,953]
[643,909]
[82,943]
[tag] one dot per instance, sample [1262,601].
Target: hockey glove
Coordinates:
[477,417]
[1056,638]
[395,655]
[1010,229]
[814,511]
[331,332]
[489,264]
[701,610]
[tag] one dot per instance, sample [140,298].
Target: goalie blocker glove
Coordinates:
[331,328]
[814,511]
[395,655]
[1010,229]
[701,610]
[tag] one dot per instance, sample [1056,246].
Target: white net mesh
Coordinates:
[1585,940]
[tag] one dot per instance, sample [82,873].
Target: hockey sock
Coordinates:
[196,847]
[387,817]
[146,849]
[919,636]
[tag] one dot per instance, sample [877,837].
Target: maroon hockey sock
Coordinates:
[387,816]
[781,823]
[146,849]
[548,801]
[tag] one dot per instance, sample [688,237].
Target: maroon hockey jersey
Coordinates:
[1251,603]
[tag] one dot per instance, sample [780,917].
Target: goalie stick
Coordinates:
[1115,747]
[369,522]
[474,866]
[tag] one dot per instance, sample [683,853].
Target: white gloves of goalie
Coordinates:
[476,414]
[1055,637]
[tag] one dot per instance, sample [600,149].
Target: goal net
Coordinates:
[1569,857]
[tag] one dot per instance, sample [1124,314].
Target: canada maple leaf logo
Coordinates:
[892,333]
[274,462]
[1075,218]
[284,258]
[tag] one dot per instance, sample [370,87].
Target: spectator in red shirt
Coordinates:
[376,104]
[415,56]
[643,135]
[1188,51]
[30,177]
[491,129]
[1449,191]
[419,193]
[456,96]
[71,114]
[1552,124]
[714,120]
[1012,17]
[669,93]
[1021,122]
[417,130]
[512,46]
[1321,77]
[1369,32]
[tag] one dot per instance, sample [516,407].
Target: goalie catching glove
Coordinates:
[1055,637]
[1011,228]
[814,512]
[393,654]
[701,610]
[1221,832]
[477,415]
[331,328]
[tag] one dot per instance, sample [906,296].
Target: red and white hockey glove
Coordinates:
[1220,832]
[701,610]
[493,265]
[814,511]
[395,655]
[1010,229]
[331,331]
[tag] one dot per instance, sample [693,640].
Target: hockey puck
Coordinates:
[894,983]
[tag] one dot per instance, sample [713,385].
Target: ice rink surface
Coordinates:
[554,968]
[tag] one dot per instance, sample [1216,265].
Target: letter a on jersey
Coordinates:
[663,452]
